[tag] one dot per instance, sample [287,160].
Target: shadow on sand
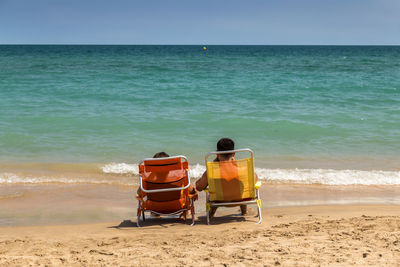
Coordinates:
[166,222]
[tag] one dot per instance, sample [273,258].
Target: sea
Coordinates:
[77,114]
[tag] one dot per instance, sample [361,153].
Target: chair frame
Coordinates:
[256,200]
[181,211]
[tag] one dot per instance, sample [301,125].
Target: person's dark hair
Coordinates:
[225,144]
[161,155]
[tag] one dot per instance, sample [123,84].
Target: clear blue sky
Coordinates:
[200,22]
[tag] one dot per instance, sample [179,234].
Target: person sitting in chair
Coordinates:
[192,189]
[224,144]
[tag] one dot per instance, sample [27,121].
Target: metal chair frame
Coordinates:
[256,200]
[182,211]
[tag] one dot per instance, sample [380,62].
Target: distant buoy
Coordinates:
[204,48]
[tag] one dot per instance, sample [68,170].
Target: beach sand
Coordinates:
[338,235]
[305,225]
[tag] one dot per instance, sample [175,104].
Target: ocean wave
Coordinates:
[11,178]
[121,168]
[126,174]
[195,171]
[291,176]
[329,176]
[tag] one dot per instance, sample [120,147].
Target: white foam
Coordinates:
[297,176]
[121,168]
[284,176]
[11,178]
[329,176]
[196,171]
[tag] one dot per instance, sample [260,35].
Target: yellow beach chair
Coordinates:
[232,183]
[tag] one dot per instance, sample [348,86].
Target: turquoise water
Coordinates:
[123,103]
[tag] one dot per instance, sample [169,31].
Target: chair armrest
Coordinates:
[257,185]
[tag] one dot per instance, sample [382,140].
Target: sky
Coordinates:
[258,22]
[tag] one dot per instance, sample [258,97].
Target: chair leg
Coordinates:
[144,218]
[208,211]
[138,215]
[208,208]
[192,211]
[138,221]
[259,211]
[259,207]
[192,218]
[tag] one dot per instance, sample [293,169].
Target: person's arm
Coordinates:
[192,190]
[202,183]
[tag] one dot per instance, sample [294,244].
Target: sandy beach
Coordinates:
[79,215]
[303,225]
[338,235]
[86,224]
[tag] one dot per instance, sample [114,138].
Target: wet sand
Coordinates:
[50,204]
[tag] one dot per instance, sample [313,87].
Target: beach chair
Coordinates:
[164,184]
[232,183]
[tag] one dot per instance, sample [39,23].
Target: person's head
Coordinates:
[161,155]
[225,144]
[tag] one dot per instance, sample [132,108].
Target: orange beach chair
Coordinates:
[232,183]
[164,185]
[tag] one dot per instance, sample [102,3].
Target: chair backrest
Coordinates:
[163,173]
[231,180]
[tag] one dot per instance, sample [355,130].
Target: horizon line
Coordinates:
[204,44]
